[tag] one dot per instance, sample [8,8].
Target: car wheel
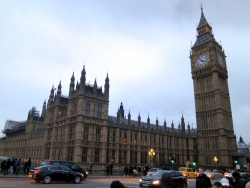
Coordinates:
[77,179]
[47,179]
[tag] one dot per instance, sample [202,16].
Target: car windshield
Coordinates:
[152,170]
[158,173]
[182,169]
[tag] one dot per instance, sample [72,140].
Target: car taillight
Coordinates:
[49,163]
[37,171]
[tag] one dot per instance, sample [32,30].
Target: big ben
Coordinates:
[215,129]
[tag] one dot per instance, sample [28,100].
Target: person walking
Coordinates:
[117,184]
[166,180]
[90,168]
[126,170]
[14,166]
[7,166]
[107,169]
[18,166]
[12,162]
[139,170]
[111,168]
[202,181]
[28,165]
[3,167]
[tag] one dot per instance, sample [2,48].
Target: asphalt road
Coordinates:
[89,183]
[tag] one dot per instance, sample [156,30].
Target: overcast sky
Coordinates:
[144,46]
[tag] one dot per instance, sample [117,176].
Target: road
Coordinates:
[89,183]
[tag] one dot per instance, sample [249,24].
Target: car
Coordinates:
[188,172]
[50,173]
[154,180]
[214,174]
[228,173]
[70,164]
[152,170]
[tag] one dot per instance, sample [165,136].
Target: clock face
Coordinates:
[201,60]
[221,60]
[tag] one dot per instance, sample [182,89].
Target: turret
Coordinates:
[106,87]
[95,87]
[129,118]
[120,111]
[139,120]
[165,125]
[51,97]
[44,111]
[72,84]
[148,121]
[83,79]
[172,125]
[188,128]
[157,123]
[182,124]
[59,90]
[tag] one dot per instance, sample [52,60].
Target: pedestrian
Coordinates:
[217,185]
[12,165]
[139,170]
[107,169]
[7,166]
[111,168]
[126,170]
[202,181]
[239,182]
[117,184]
[25,166]
[225,183]
[3,167]
[15,165]
[90,168]
[18,166]
[28,165]
[248,185]
[166,180]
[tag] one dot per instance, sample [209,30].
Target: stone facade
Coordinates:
[78,127]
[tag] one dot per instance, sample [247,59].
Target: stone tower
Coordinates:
[212,101]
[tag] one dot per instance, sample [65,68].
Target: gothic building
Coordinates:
[79,128]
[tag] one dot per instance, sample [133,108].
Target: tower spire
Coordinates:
[203,20]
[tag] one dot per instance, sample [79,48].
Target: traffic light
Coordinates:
[194,163]
[235,160]
[172,160]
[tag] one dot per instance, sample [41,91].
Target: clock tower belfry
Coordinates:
[215,129]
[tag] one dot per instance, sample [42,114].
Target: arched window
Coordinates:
[87,109]
[99,111]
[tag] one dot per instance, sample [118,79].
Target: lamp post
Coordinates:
[216,162]
[151,154]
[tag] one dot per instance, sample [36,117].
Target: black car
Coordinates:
[70,164]
[50,173]
[154,180]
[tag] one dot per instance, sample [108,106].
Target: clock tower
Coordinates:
[215,129]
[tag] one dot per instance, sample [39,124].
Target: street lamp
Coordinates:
[151,154]
[216,161]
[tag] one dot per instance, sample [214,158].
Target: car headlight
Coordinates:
[140,180]
[86,172]
[156,182]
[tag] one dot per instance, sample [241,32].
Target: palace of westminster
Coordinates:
[78,127]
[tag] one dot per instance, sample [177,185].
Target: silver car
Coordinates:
[214,174]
